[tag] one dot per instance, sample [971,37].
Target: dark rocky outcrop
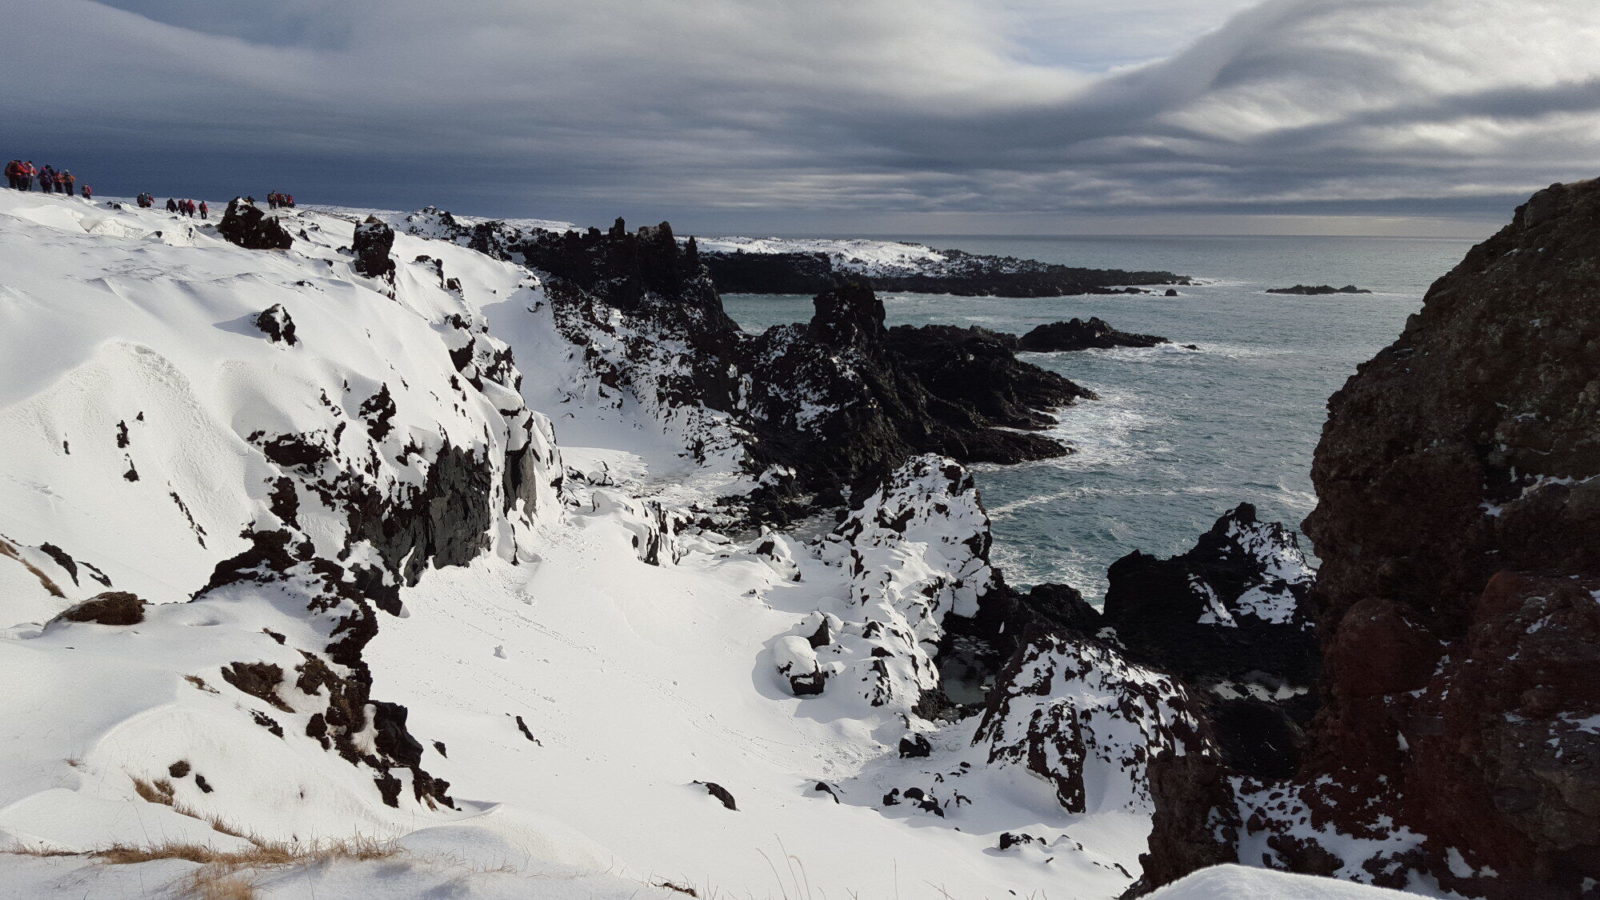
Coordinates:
[1230,608]
[371,245]
[276,324]
[1309,290]
[1077,713]
[721,793]
[964,274]
[246,225]
[839,401]
[844,399]
[108,608]
[1229,617]
[1077,334]
[1459,487]
[1459,499]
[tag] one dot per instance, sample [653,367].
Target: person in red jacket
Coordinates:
[13,174]
[205,211]
[28,171]
[88,192]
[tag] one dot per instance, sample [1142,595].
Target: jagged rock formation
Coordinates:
[1076,713]
[833,405]
[1459,485]
[276,323]
[1308,290]
[843,400]
[371,245]
[916,550]
[936,272]
[246,225]
[1228,617]
[1077,334]
[1457,476]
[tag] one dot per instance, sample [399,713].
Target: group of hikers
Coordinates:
[21,174]
[181,207]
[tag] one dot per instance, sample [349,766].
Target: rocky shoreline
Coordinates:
[738,271]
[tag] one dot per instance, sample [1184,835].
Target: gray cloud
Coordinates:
[827,114]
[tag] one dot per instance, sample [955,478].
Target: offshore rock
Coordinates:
[1310,290]
[1077,334]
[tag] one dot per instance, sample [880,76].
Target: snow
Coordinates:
[1243,883]
[857,256]
[572,683]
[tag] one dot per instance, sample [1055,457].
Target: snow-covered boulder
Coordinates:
[914,551]
[1077,714]
[247,225]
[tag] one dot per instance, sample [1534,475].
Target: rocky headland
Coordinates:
[808,267]
[1458,604]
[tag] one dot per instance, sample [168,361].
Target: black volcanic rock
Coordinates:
[1232,608]
[276,324]
[1077,334]
[1458,480]
[1229,617]
[1459,502]
[839,401]
[1307,290]
[371,245]
[246,225]
[930,389]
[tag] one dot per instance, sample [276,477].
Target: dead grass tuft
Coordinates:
[158,791]
[217,883]
[262,853]
[200,683]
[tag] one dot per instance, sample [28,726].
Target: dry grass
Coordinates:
[226,874]
[214,883]
[200,683]
[261,853]
[158,791]
[230,874]
[161,791]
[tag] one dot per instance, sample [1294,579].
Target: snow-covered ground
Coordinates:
[578,684]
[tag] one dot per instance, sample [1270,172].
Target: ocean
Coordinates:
[1178,437]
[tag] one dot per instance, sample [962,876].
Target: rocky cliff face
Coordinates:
[1458,602]
[827,409]
[1459,511]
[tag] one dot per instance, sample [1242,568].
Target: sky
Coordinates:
[1431,117]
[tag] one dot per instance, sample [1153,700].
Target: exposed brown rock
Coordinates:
[109,608]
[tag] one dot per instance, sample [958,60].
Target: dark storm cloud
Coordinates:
[738,110]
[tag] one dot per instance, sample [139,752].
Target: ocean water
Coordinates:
[1178,437]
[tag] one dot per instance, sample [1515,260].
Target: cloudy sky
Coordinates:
[839,116]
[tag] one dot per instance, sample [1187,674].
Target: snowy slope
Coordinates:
[427,500]
[855,255]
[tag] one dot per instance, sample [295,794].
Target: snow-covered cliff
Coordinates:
[388,535]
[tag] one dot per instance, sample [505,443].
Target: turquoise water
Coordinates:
[1178,437]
